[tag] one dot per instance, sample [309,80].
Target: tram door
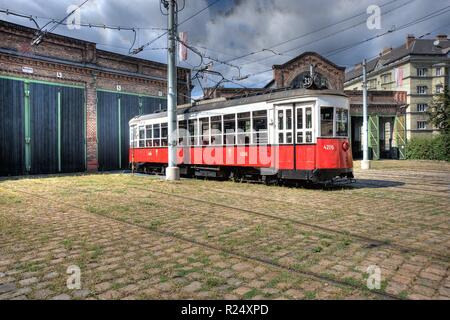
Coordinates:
[285,125]
[284,136]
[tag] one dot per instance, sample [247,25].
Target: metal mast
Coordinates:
[365,164]
[172,171]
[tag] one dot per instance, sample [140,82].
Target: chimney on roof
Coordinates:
[410,40]
[441,37]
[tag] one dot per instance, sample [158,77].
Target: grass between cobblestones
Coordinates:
[137,237]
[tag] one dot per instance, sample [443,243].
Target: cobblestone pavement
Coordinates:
[137,237]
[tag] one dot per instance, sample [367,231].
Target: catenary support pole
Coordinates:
[172,171]
[365,163]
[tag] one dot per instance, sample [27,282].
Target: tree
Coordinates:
[440,112]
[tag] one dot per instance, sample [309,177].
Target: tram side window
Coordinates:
[148,135]
[182,133]
[326,121]
[304,124]
[156,135]
[244,128]
[204,131]
[288,126]
[285,124]
[133,143]
[260,135]
[309,125]
[341,122]
[141,137]
[299,125]
[164,135]
[216,130]
[193,132]
[229,129]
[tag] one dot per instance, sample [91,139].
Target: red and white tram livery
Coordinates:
[295,134]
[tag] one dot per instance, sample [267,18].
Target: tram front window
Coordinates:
[326,121]
[341,122]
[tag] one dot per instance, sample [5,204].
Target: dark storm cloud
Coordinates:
[235,27]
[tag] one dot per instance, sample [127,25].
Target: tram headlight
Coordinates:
[345,146]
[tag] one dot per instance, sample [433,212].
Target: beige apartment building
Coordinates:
[420,67]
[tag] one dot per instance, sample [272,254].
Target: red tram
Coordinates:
[295,134]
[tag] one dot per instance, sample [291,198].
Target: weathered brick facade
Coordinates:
[284,74]
[70,61]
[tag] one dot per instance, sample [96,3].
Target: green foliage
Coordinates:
[429,148]
[440,112]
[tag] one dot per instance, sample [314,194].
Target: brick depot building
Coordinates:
[65,105]
[387,134]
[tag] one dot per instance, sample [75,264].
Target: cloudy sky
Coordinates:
[231,28]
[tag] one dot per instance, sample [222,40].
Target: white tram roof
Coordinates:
[272,96]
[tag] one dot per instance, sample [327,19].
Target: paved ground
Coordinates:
[136,237]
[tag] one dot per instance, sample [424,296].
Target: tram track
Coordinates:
[403,181]
[267,262]
[290,202]
[369,241]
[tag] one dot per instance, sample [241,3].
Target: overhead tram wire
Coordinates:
[409,24]
[307,34]
[323,28]
[20,15]
[141,48]
[326,36]
[41,34]
[89,25]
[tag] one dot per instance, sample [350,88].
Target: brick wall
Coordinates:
[284,74]
[80,63]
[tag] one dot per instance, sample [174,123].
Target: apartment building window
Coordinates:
[372,84]
[422,72]
[422,107]
[421,125]
[386,78]
[438,71]
[439,88]
[422,89]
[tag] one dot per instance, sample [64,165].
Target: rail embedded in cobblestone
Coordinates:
[317,276]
